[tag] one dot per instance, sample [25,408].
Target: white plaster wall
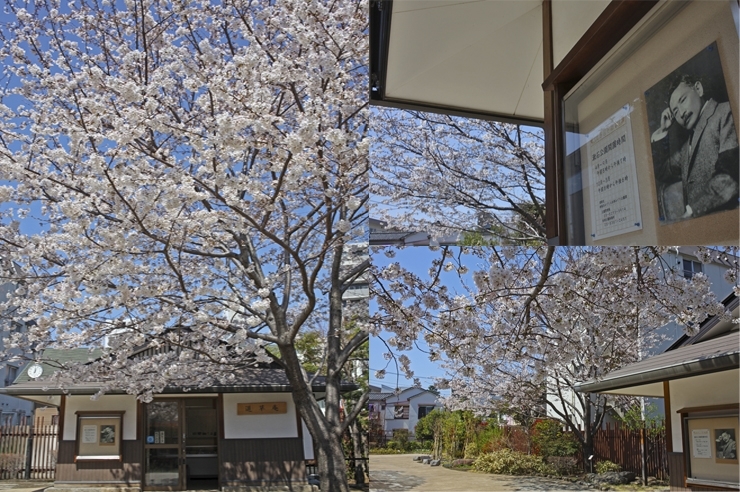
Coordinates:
[392,424]
[720,388]
[414,397]
[258,426]
[307,442]
[425,399]
[73,404]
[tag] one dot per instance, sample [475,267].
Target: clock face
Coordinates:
[35,371]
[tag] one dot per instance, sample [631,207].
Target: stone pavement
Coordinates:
[25,485]
[399,473]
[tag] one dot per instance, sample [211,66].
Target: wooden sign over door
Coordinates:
[261,408]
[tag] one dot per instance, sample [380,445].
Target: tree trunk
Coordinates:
[323,426]
[357,450]
[332,467]
[588,436]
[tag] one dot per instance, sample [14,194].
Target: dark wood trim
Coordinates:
[380,33]
[221,415]
[552,193]
[558,148]
[62,412]
[101,413]
[668,416]
[696,486]
[676,471]
[140,421]
[710,408]
[609,28]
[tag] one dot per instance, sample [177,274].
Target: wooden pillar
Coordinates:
[668,416]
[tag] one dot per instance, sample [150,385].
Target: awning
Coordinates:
[478,58]
[645,378]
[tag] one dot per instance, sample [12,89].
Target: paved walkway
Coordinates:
[25,485]
[399,473]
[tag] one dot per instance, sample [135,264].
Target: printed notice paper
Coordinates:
[701,443]
[89,434]
[615,202]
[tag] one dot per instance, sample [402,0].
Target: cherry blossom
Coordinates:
[200,168]
[527,324]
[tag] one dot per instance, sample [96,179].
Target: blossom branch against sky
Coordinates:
[200,168]
[506,319]
[446,175]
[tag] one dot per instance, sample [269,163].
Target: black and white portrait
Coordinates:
[725,444]
[693,139]
[107,434]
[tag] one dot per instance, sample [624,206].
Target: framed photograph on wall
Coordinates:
[693,140]
[725,440]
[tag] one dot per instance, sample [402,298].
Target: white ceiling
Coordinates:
[477,55]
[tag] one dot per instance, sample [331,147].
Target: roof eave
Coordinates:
[22,390]
[454,111]
[699,367]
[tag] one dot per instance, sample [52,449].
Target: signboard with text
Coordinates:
[615,202]
[261,408]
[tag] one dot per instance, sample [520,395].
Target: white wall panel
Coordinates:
[259,426]
[126,403]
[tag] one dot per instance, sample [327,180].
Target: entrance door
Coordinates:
[181,444]
[164,457]
[201,443]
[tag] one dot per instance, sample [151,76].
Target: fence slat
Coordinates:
[14,442]
[622,446]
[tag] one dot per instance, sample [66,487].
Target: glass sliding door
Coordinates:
[164,461]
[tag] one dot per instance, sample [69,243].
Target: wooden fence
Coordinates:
[28,451]
[614,443]
[623,446]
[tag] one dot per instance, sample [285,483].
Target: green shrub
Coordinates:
[490,438]
[607,466]
[424,429]
[549,438]
[400,440]
[385,451]
[508,462]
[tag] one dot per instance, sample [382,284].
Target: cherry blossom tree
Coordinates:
[193,172]
[527,324]
[448,175]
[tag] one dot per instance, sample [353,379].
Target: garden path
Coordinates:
[399,473]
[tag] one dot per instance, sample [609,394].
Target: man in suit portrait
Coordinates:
[695,152]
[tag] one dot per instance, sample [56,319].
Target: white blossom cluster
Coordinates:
[447,175]
[536,321]
[199,168]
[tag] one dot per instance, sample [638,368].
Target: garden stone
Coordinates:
[463,462]
[434,463]
[614,478]
[421,457]
[425,461]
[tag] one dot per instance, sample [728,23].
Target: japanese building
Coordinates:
[239,436]
[698,378]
